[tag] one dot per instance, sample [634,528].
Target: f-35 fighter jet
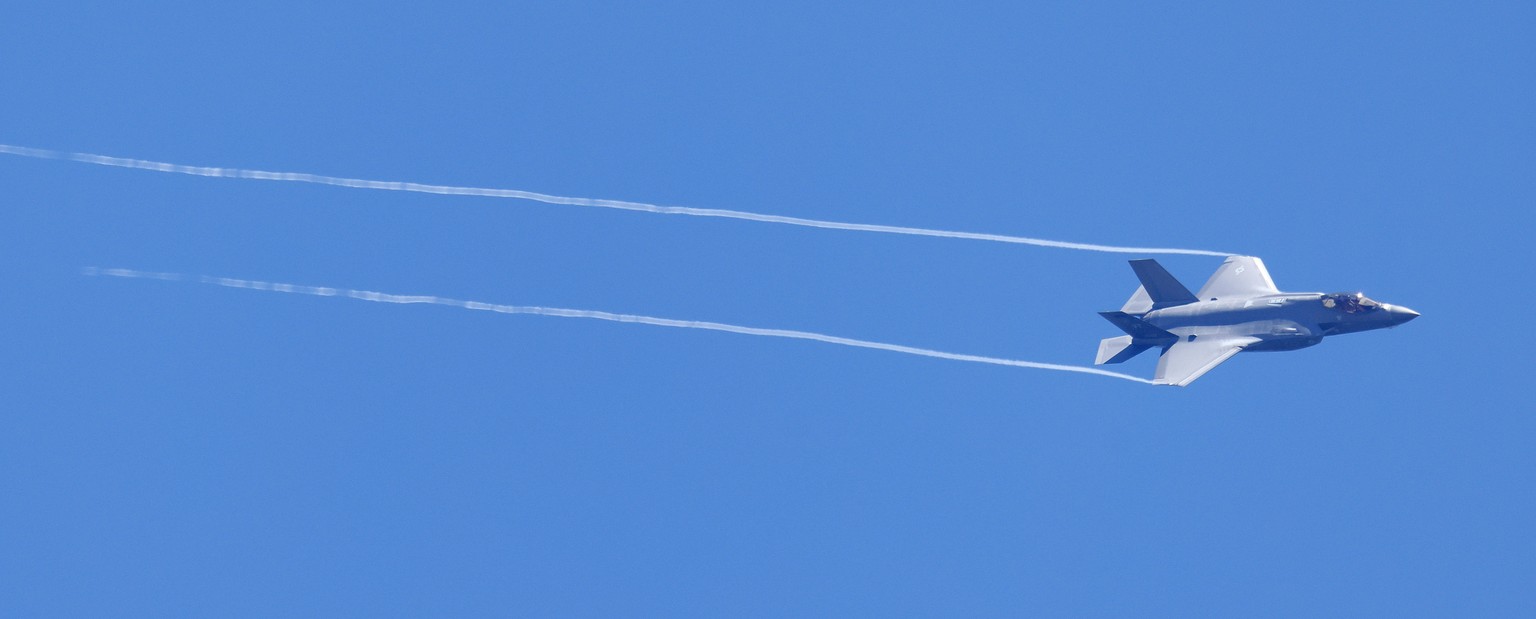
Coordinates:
[1238,310]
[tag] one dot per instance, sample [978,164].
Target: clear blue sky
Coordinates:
[183,450]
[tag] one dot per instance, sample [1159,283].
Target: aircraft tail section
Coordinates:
[1159,286]
[1159,289]
[1140,336]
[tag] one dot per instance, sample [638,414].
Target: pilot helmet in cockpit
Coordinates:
[1349,303]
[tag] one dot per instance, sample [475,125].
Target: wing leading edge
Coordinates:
[1185,361]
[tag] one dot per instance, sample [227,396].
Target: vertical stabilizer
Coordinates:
[1139,303]
[1160,286]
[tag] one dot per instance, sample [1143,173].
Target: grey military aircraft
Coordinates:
[1239,309]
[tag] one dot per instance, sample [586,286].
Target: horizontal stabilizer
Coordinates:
[1142,331]
[1118,349]
[1161,286]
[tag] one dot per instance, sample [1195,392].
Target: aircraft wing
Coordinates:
[1240,277]
[1185,361]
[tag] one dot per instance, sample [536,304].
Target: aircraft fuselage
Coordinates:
[1285,321]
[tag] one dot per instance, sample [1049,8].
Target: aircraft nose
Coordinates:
[1402,314]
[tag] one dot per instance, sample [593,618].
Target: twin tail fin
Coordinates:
[1159,289]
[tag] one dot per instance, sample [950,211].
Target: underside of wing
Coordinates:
[1185,361]
[1239,277]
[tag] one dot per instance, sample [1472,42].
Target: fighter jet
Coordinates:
[1238,310]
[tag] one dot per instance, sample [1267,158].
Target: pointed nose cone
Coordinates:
[1402,314]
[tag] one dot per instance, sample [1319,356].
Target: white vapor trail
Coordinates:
[380,297]
[302,177]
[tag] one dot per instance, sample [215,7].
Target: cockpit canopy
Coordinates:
[1350,302]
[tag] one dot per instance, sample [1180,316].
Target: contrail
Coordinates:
[302,177]
[381,297]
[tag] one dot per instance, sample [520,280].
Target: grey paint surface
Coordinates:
[1239,309]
